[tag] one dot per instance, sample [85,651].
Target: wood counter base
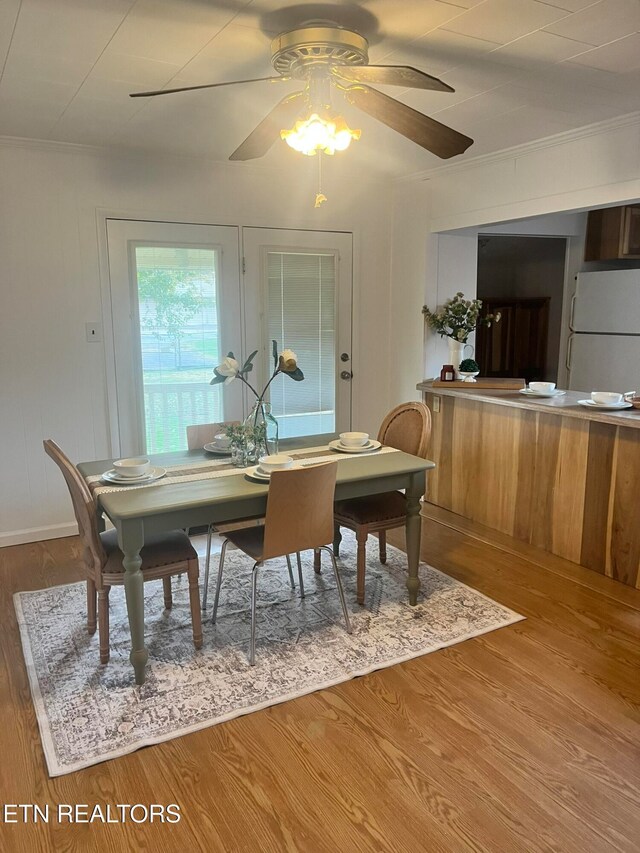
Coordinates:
[567,485]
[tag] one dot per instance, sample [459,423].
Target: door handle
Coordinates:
[569,348]
[346,374]
[571,310]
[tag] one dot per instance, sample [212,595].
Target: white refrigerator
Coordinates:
[603,352]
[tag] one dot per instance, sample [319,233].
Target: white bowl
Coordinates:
[268,464]
[606,398]
[222,441]
[134,467]
[354,439]
[542,387]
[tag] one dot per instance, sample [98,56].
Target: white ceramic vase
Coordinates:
[456,353]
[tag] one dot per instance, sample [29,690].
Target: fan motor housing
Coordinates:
[294,52]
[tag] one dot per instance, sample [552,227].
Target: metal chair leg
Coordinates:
[254,606]
[339,585]
[300,574]
[293,585]
[206,567]
[219,582]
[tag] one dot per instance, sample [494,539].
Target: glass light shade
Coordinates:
[320,133]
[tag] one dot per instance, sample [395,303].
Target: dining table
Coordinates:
[199,489]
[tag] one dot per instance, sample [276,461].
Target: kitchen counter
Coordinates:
[567,405]
[549,472]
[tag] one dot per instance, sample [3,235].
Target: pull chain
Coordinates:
[320,196]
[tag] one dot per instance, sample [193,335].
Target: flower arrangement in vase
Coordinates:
[258,435]
[456,320]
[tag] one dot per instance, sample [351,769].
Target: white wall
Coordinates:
[533,189]
[52,383]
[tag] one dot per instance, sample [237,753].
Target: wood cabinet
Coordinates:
[613,233]
[564,484]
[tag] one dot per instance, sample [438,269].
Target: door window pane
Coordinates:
[302,317]
[177,322]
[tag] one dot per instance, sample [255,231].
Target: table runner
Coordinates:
[204,469]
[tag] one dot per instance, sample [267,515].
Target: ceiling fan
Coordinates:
[331,59]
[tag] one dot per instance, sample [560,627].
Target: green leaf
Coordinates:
[274,350]
[247,366]
[230,354]
[217,379]
[297,375]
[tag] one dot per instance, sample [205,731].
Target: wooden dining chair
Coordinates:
[299,517]
[163,556]
[197,436]
[407,428]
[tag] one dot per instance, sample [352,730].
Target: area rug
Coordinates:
[88,712]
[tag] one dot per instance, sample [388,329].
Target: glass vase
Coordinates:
[261,429]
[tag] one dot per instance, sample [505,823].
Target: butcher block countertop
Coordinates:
[566,405]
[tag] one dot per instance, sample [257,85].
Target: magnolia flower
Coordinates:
[288,361]
[229,368]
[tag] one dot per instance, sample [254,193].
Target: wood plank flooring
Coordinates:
[526,739]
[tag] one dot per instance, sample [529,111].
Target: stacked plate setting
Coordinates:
[115,475]
[354,442]
[219,445]
[269,464]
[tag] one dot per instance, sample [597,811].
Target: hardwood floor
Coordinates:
[525,739]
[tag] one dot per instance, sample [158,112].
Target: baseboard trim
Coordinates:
[38,534]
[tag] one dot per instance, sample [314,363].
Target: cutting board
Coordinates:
[484,384]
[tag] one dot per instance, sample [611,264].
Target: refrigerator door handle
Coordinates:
[569,348]
[571,310]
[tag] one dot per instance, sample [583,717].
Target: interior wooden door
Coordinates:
[517,345]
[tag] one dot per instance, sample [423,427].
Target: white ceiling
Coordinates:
[522,70]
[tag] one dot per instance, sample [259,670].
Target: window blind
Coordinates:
[302,317]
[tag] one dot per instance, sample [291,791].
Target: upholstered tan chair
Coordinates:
[299,518]
[407,428]
[163,556]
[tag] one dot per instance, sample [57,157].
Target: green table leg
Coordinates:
[414,531]
[131,540]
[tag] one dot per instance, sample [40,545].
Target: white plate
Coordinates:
[221,451]
[255,474]
[529,393]
[154,474]
[366,448]
[611,406]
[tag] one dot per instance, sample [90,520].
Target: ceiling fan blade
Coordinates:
[267,132]
[207,86]
[390,75]
[430,134]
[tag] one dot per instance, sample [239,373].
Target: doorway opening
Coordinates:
[523,279]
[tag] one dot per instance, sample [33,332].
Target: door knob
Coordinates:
[346,374]
[344,356]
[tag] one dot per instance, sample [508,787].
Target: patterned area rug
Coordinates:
[88,712]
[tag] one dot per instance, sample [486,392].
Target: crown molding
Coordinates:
[606,126]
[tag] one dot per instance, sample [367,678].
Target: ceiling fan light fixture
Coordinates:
[325,133]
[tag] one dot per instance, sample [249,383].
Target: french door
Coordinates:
[298,292]
[179,304]
[175,306]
